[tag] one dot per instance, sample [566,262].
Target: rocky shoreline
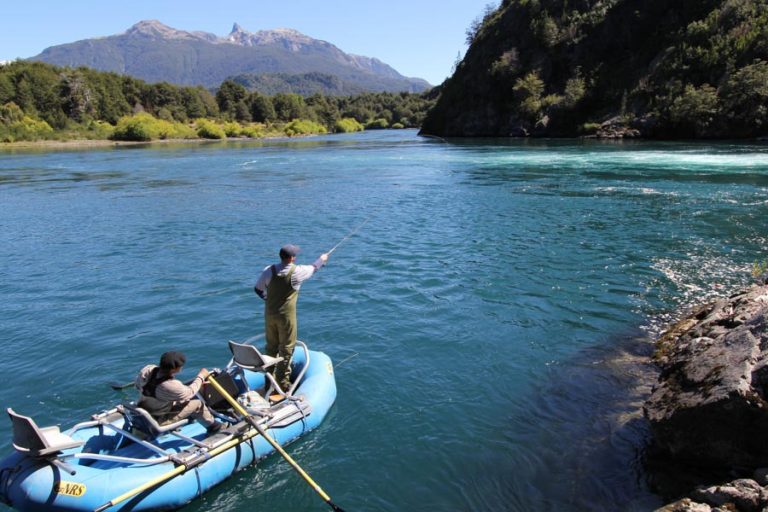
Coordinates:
[708,411]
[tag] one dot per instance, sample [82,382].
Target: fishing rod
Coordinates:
[350,234]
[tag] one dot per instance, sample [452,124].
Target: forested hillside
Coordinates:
[41,101]
[653,68]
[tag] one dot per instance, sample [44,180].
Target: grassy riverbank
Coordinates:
[143,127]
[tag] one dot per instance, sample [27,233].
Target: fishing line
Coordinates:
[350,234]
[347,359]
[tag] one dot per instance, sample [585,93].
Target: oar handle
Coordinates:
[241,410]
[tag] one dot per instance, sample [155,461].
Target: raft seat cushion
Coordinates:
[38,442]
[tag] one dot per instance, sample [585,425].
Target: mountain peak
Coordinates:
[287,37]
[215,58]
[152,28]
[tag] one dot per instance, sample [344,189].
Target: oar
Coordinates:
[176,471]
[274,444]
[119,387]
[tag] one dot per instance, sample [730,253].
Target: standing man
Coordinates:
[279,286]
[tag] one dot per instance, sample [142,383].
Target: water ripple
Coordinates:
[494,312]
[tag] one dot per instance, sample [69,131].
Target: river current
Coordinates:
[491,314]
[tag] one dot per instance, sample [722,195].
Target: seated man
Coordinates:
[169,400]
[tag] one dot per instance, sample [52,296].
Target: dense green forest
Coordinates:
[651,68]
[42,101]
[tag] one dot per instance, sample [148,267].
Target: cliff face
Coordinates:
[694,68]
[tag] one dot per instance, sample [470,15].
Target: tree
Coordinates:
[262,110]
[161,95]
[193,105]
[209,101]
[745,98]
[77,97]
[10,113]
[324,109]
[111,100]
[242,112]
[695,109]
[228,96]
[289,107]
[7,90]
[528,91]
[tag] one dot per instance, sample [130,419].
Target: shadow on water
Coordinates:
[586,417]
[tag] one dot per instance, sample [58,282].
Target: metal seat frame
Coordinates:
[248,357]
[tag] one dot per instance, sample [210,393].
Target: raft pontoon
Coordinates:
[122,459]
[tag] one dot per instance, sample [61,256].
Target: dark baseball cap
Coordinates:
[172,360]
[289,250]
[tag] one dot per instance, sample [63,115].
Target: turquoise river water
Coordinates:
[491,319]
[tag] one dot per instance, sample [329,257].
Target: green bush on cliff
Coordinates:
[695,109]
[528,91]
[745,97]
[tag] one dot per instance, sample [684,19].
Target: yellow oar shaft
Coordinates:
[142,488]
[176,471]
[239,408]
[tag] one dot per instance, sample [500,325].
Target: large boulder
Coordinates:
[709,406]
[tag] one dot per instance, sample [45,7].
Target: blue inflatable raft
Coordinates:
[121,459]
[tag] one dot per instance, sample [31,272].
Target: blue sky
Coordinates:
[419,38]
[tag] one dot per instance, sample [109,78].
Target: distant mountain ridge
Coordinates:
[155,52]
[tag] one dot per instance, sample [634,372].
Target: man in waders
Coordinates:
[279,286]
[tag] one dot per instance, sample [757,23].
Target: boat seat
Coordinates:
[36,441]
[141,419]
[248,357]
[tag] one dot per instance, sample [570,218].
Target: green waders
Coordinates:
[280,324]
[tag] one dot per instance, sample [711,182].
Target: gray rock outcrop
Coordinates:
[709,408]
